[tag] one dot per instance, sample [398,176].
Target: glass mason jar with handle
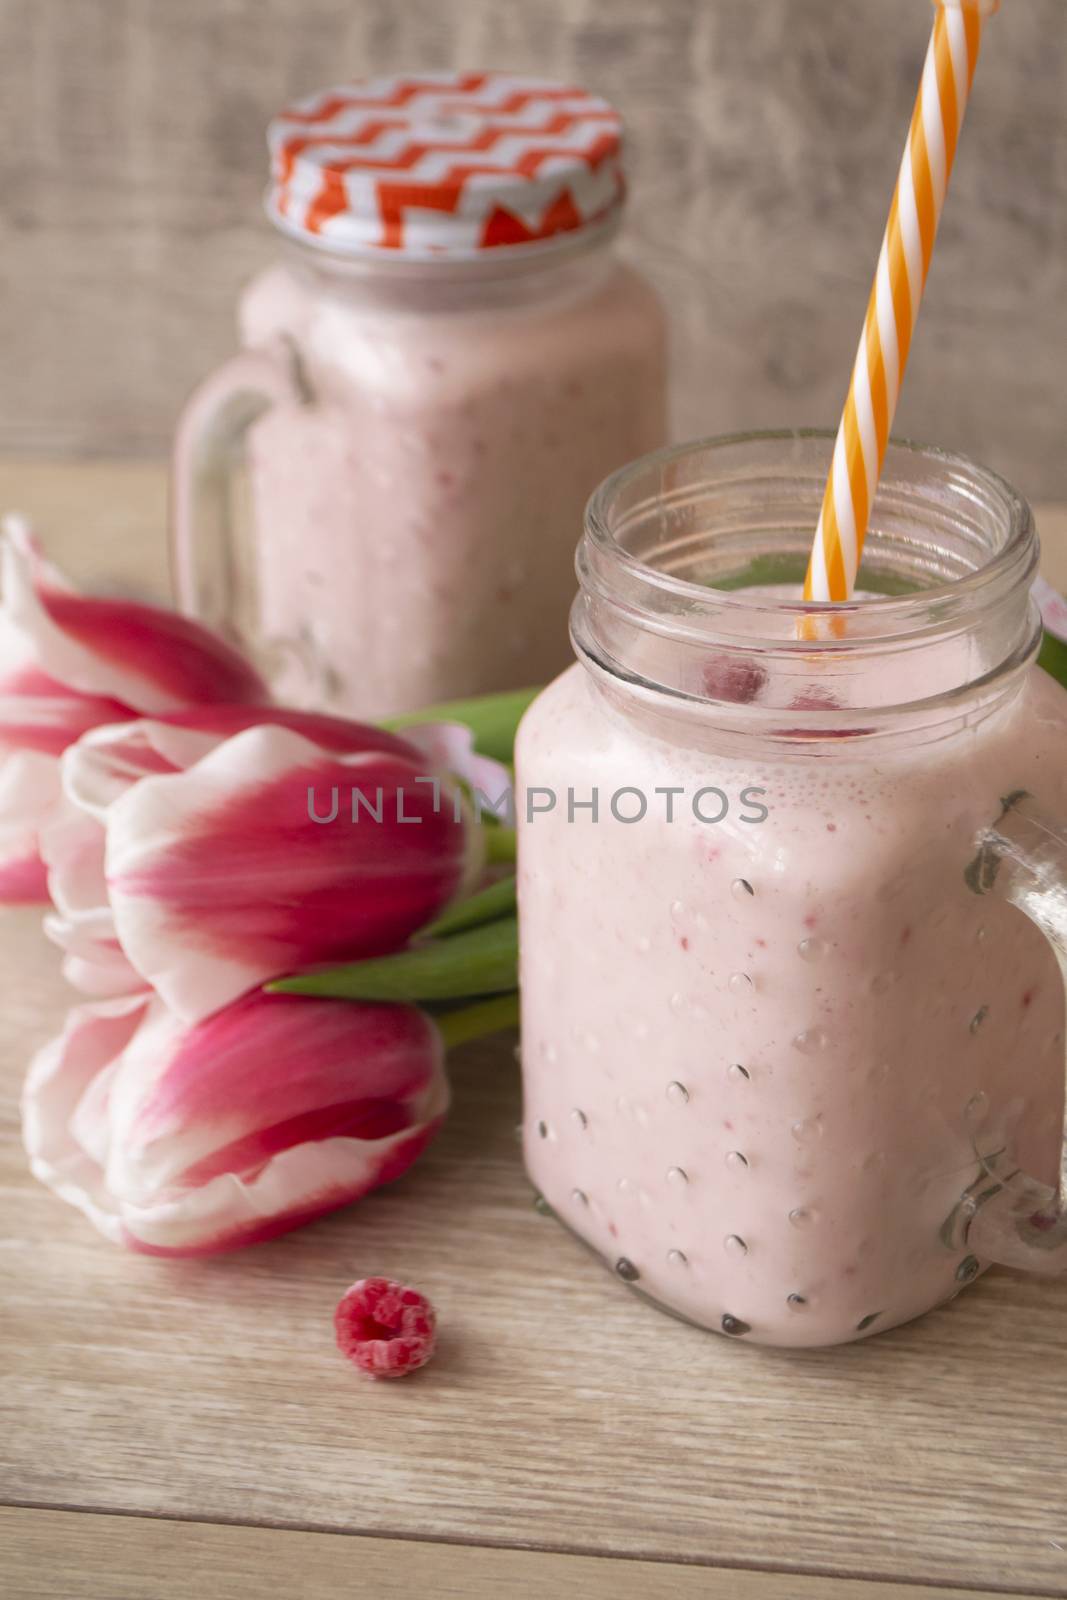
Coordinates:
[446,361]
[792,898]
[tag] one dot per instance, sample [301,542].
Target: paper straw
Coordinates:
[904,262]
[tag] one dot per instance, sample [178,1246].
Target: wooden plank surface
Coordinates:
[133,1558]
[561,1413]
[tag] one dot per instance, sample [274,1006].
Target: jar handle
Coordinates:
[209,443]
[1007,1216]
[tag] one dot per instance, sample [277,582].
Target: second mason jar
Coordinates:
[446,360]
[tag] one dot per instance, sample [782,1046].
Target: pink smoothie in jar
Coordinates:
[447,360]
[775,1047]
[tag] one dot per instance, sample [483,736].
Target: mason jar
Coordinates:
[445,360]
[792,1051]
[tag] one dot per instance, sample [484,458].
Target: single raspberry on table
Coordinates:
[385,1328]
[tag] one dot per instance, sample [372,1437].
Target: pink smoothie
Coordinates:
[760,1057]
[416,516]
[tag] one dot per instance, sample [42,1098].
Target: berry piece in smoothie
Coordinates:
[727,678]
[384,1328]
[820,700]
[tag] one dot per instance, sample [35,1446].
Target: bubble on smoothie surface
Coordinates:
[810,1041]
[812,949]
[738,1073]
[678,1177]
[734,1245]
[977,1106]
[740,983]
[979,1018]
[734,1326]
[677,1258]
[736,1161]
[730,679]
[741,889]
[677,1093]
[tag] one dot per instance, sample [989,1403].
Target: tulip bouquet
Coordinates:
[221,872]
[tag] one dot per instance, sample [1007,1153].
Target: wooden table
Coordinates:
[186,1429]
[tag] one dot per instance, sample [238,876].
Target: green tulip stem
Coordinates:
[496,901]
[480,961]
[476,1021]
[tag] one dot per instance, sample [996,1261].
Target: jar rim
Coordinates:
[736,510]
[1016,558]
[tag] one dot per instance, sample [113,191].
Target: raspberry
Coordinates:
[385,1328]
[821,700]
[816,700]
[726,678]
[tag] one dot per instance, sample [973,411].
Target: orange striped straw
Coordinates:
[904,262]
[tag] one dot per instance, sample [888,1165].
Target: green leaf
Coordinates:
[1053,657]
[482,961]
[501,844]
[492,719]
[496,901]
[785,567]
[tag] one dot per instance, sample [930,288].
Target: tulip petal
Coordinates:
[82,924]
[228,1094]
[296,1188]
[61,1075]
[108,762]
[29,795]
[142,656]
[37,713]
[93,959]
[183,1140]
[219,879]
[105,763]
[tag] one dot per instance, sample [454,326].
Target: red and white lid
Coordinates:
[444,164]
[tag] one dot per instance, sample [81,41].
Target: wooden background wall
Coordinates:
[766,135]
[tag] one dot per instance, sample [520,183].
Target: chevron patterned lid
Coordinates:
[444,164]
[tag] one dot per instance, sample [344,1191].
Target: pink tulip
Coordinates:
[70,663]
[186,857]
[185,1140]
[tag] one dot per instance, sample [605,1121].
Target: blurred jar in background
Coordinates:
[445,362]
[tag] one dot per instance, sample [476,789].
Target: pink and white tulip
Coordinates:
[187,1140]
[186,857]
[69,663]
